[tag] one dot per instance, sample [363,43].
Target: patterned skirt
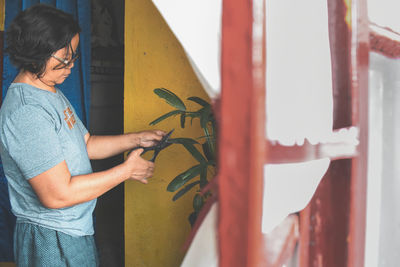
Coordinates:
[36,246]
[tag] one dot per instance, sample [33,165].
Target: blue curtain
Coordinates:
[76,88]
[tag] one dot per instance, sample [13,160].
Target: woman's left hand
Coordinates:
[149,138]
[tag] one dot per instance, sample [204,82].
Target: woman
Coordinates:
[46,150]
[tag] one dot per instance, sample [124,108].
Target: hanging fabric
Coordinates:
[76,88]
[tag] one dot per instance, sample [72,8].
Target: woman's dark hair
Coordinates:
[36,33]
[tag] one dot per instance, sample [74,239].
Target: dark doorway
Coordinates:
[106,118]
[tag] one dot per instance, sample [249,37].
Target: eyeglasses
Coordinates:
[64,63]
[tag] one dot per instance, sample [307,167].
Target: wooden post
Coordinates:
[241,140]
[333,224]
[359,85]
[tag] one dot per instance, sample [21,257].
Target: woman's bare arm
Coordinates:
[100,147]
[57,189]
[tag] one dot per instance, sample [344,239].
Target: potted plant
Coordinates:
[202,149]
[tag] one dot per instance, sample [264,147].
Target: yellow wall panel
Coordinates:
[2,8]
[155,226]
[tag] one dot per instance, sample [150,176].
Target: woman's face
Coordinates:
[56,72]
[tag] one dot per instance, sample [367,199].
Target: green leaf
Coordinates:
[184,177]
[171,98]
[210,141]
[207,137]
[192,218]
[212,120]
[204,118]
[193,115]
[207,152]
[203,178]
[211,163]
[195,153]
[185,190]
[165,116]
[199,101]
[197,202]
[183,117]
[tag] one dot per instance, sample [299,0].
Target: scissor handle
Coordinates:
[157,148]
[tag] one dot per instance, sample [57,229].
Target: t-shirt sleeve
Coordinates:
[81,126]
[79,123]
[31,138]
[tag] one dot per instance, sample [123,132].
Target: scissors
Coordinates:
[163,143]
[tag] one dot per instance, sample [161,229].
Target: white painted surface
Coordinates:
[197,25]
[385,13]
[299,101]
[203,252]
[375,147]
[299,78]
[383,195]
[288,188]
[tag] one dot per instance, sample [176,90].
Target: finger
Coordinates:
[137,152]
[151,138]
[148,143]
[157,136]
[150,165]
[149,172]
[139,178]
[159,132]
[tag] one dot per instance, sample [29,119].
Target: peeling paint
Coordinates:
[318,219]
[347,18]
[318,223]
[320,260]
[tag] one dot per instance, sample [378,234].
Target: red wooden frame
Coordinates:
[384,41]
[241,139]
[333,224]
[359,74]
[324,222]
[289,240]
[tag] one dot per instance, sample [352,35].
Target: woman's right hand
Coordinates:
[139,168]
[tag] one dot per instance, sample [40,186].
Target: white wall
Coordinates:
[383,195]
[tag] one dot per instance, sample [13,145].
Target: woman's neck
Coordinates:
[31,79]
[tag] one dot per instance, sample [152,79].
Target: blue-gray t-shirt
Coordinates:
[40,129]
